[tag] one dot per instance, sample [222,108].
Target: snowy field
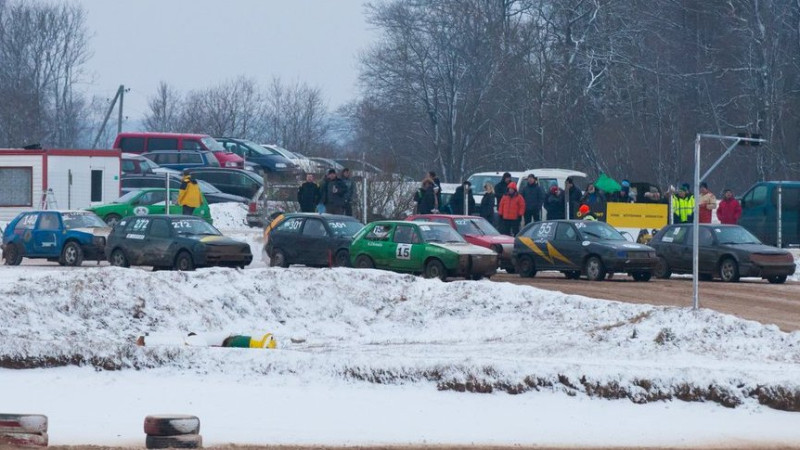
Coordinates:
[367,357]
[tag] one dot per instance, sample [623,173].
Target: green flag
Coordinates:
[607,184]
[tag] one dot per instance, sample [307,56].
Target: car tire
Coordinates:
[171,425]
[729,270]
[510,269]
[13,255]
[112,219]
[278,259]
[435,269]
[365,262]
[342,259]
[662,269]
[184,262]
[71,254]
[777,279]
[641,276]
[595,269]
[526,267]
[179,441]
[118,258]
[476,277]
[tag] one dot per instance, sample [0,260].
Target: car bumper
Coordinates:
[630,264]
[766,270]
[224,258]
[255,220]
[95,250]
[470,265]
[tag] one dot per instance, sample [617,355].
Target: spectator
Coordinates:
[573,194]
[189,196]
[426,197]
[729,209]
[487,203]
[349,193]
[624,194]
[708,203]
[308,195]
[595,200]
[683,205]
[533,194]
[457,200]
[652,195]
[554,203]
[333,193]
[437,186]
[500,188]
[511,210]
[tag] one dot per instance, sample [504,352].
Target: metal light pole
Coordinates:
[780,215]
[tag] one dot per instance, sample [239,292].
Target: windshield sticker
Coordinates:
[667,239]
[585,243]
[181,224]
[134,236]
[461,221]
[337,225]
[425,228]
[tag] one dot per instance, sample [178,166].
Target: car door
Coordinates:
[24,229]
[379,245]
[134,236]
[46,236]
[756,215]
[152,202]
[408,248]
[566,249]
[157,242]
[286,237]
[313,249]
[708,254]
[538,240]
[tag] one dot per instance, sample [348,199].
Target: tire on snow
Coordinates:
[23,423]
[24,439]
[180,441]
[171,425]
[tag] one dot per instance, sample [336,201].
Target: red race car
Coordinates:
[478,231]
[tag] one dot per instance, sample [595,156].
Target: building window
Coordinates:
[16,186]
[97,186]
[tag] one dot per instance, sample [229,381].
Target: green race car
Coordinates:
[145,201]
[433,249]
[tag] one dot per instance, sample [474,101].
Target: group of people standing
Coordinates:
[335,195]
[683,203]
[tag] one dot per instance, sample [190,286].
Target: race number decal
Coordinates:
[403,251]
[140,211]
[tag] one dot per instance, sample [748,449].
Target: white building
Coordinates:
[77,178]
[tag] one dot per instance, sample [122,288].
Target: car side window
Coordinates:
[190,144]
[151,198]
[532,231]
[48,221]
[138,225]
[676,235]
[314,228]
[28,221]
[706,237]
[544,231]
[162,144]
[566,232]
[128,166]
[159,229]
[756,197]
[405,234]
[132,144]
[292,225]
[190,158]
[379,233]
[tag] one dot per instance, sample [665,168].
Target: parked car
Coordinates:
[760,212]
[576,247]
[178,242]
[319,240]
[324,164]
[68,237]
[133,164]
[478,231]
[131,183]
[726,252]
[182,159]
[142,142]
[436,250]
[237,182]
[269,161]
[143,202]
[305,165]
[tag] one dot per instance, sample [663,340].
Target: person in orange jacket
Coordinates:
[511,209]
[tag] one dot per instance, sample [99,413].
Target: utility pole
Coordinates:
[119,95]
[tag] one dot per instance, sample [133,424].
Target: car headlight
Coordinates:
[250,168]
[230,164]
[280,165]
[99,241]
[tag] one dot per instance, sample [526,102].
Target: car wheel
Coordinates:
[435,269]
[662,269]
[118,258]
[278,259]
[526,267]
[112,219]
[510,269]
[365,262]
[641,276]
[184,262]
[777,279]
[476,277]
[342,259]
[595,269]
[729,270]
[71,254]
[12,255]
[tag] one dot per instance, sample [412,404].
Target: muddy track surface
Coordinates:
[752,299]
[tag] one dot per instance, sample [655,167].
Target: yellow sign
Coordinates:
[637,215]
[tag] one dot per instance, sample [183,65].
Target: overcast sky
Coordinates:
[194,44]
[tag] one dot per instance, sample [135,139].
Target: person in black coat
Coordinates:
[501,187]
[487,202]
[457,200]
[333,192]
[554,203]
[426,197]
[308,195]
[574,195]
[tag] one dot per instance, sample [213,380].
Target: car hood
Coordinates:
[755,248]
[621,245]
[100,231]
[464,249]
[501,239]
[215,240]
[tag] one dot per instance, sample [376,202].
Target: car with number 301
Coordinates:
[318,240]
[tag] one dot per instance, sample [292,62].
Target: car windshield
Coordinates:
[82,220]
[597,231]
[148,165]
[194,227]
[213,144]
[734,235]
[207,188]
[475,225]
[258,148]
[480,180]
[345,227]
[127,198]
[439,233]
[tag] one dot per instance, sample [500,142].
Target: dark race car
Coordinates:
[320,240]
[576,247]
[725,251]
[178,242]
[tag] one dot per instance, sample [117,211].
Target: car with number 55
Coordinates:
[580,247]
[177,242]
[435,250]
[318,240]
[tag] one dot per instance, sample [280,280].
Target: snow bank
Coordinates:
[381,327]
[228,216]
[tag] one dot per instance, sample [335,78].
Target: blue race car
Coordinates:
[64,236]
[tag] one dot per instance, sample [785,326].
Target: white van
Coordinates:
[479,179]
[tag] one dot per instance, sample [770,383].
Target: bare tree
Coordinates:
[165,107]
[296,117]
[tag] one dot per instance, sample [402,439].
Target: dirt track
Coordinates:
[750,298]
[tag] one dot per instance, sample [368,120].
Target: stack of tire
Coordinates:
[23,430]
[172,431]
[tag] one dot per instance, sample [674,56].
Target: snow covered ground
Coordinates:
[369,357]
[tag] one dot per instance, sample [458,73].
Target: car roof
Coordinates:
[397,222]
[169,217]
[446,216]
[176,151]
[220,169]
[320,216]
[160,134]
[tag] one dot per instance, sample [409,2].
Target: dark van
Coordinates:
[760,212]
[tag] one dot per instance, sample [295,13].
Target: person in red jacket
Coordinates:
[729,209]
[511,209]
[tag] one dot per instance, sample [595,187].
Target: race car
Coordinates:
[177,242]
[576,247]
[476,230]
[68,237]
[320,240]
[435,250]
[146,201]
